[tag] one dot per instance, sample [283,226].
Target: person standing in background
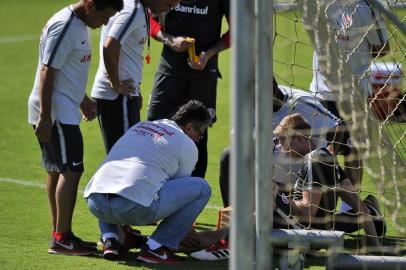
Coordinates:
[116,88]
[53,110]
[179,78]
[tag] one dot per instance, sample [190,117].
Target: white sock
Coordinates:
[109,235]
[344,207]
[153,244]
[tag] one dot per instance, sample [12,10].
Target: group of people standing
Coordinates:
[182,106]
[154,170]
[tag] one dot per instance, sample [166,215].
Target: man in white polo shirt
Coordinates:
[146,177]
[361,36]
[116,87]
[53,110]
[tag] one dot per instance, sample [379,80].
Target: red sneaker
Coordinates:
[70,246]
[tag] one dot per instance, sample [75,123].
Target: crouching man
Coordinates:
[146,177]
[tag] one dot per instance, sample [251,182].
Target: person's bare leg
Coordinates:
[66,192]
[51,183]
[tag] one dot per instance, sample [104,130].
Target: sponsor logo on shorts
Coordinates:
[74,163]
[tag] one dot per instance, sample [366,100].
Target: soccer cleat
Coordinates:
[160,255]
[216,252]
[111,249]
[373,205]
[70,246]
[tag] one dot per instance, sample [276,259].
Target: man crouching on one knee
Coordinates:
[146,177]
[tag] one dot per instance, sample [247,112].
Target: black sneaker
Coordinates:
[87,243]
[111,249]
[70,246]
[373,205]
[159,255]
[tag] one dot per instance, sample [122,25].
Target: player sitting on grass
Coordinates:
[319,183]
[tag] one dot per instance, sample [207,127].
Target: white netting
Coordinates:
[372,116]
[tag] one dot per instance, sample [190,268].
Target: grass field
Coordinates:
[24,216]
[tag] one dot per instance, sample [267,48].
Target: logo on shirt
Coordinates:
[142,41]
[347,20]
[191,10]
[345,24]
[86,58]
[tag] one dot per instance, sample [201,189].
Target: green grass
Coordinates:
[24,217]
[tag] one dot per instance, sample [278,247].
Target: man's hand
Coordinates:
[203,58]
[125,88]
[89,109]
[43,130]
[178,44]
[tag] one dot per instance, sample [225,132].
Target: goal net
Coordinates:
[365,79]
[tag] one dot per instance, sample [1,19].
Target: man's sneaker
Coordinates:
[84,242]
[111,249]
[131,238]
[159,255]
[216,252]
[70,246]
[373,205]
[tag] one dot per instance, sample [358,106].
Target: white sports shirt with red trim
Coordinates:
[64,46]
[149,154]
[129,27]
[357,27]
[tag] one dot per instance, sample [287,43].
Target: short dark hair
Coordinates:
[104,4]
[193,112]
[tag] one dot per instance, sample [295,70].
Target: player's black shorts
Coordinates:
[170,92]
[64,150]
[116,116]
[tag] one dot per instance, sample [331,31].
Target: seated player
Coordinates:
[319,183]
[387,100]
[324,125]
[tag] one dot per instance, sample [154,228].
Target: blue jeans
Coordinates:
[178,204]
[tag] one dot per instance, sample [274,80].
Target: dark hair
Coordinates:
[105,4]
[193,112]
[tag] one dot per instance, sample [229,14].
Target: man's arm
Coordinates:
[221,45]
[46,86]
[307,207]
[111,55]
[340,143]
[176,43]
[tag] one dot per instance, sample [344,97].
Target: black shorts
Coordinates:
[116,117]
[64,150]
[170,92]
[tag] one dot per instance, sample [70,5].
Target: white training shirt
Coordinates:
[356,27]
[307,105]
[129,27]
[147,155]
[65,46]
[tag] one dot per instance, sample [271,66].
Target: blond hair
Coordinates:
[293,125]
